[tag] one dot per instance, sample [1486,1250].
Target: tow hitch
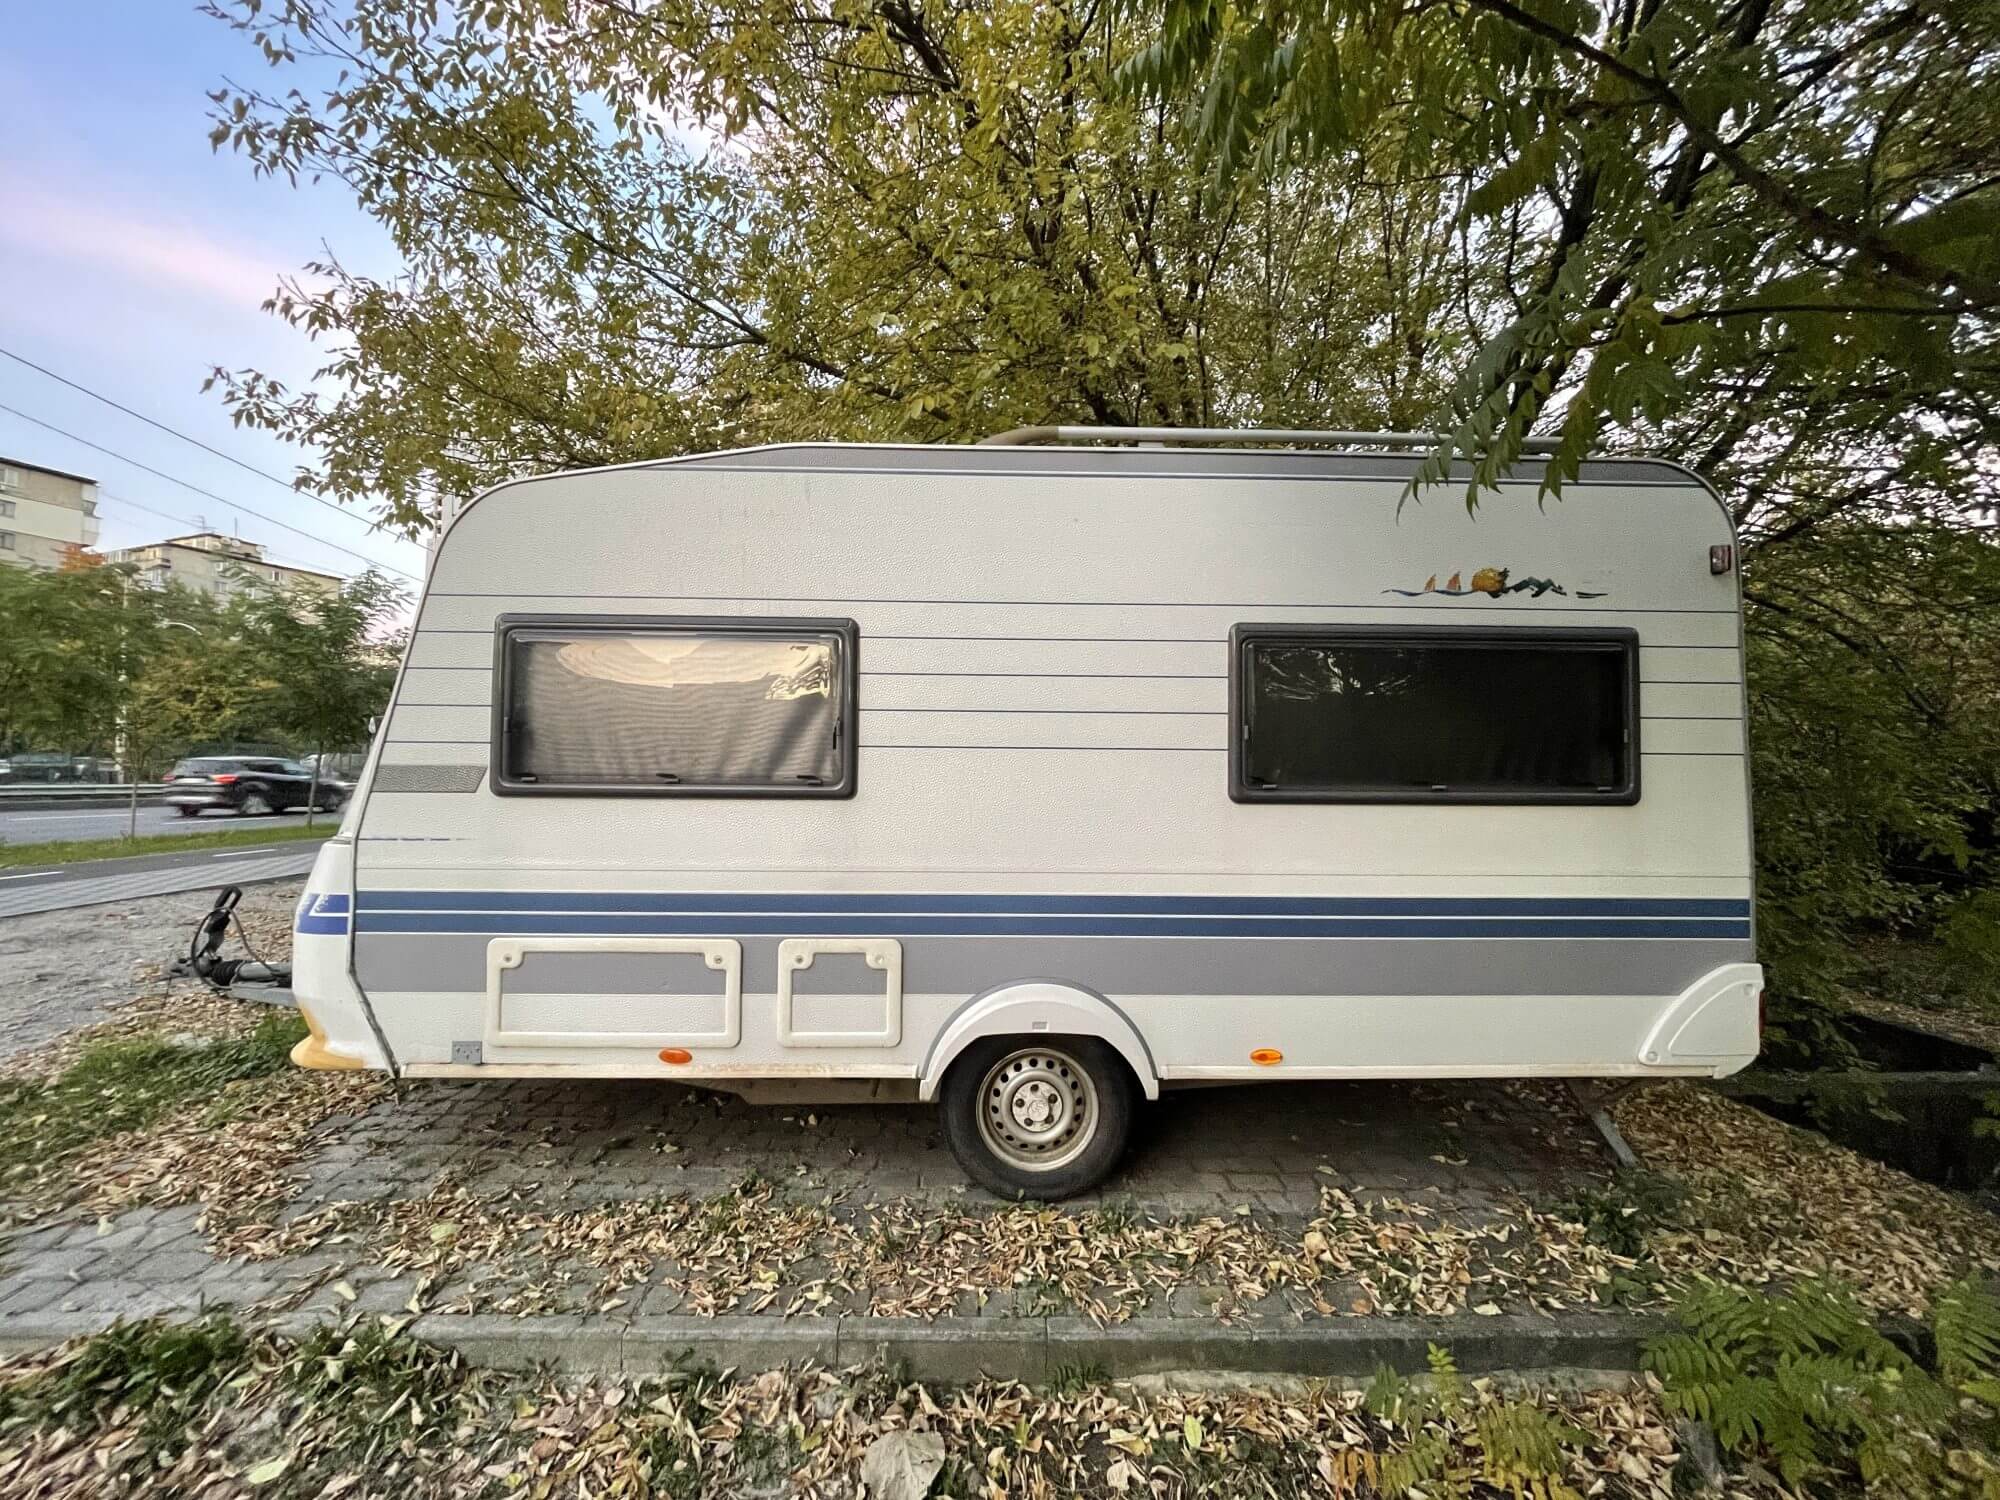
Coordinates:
[249,978]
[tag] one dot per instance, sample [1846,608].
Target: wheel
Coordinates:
[187,812]
[329,802]
[255,805]
[1038,1117]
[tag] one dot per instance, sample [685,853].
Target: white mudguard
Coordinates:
[1713,1025]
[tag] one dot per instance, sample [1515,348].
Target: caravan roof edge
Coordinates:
[1151,462]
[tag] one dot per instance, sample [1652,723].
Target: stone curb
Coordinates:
[1027,1349]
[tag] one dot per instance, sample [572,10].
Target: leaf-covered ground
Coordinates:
[1769,1202]
[185,1099]
[216,1411]
[188,1100]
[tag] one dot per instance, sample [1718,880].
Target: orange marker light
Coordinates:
[1266,1057]
[676,1055]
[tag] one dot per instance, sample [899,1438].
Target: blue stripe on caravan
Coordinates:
[322,926]
[809,925]
[1062,905]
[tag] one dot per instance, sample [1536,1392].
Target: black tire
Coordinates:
[187,812]
[256,803]
[1076,1067]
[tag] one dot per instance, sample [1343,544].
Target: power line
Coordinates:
[230,458]
[208,494]
[107,497]
[283,559]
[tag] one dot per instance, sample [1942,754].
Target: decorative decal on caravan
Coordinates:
[1493,583]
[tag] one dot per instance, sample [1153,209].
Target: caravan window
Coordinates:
[674,707]
[1438,714]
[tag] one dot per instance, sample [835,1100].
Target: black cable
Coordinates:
[229,458]
[210,494]
[282,559]
[244,938]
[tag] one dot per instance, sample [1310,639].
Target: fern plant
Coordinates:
[1422,1460]
[1965,1317]
[1522,1449]
[1806,1382]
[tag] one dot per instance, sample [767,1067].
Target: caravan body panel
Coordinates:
[1041,805]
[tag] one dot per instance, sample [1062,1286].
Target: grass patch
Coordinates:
[161,1373]
[129,1084]
[74,851]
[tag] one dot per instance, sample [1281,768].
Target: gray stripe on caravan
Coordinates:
[391,778]
[407,962]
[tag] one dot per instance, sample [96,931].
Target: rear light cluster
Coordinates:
[222,780]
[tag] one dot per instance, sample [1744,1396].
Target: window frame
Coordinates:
[1243,638]
[7,541]
[507,626]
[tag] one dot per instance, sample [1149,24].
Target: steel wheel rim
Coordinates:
[254,804]
[1037,1109]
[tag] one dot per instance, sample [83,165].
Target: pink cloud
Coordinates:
[156,251]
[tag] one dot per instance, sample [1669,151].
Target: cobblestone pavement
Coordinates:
[1260,1154]
[1270,1147]
[63,969]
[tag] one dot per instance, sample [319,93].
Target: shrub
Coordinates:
[1805,1382]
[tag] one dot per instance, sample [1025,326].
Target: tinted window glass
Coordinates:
[676,709]
[1366,716]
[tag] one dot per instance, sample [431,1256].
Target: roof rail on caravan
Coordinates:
[1209,437]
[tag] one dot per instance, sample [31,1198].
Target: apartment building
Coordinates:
[218,565]
[44,513]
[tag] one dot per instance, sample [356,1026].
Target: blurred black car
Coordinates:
[249,786]
[46,766]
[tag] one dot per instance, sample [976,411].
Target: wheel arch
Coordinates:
[1037,1007]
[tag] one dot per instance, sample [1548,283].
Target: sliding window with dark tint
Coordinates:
[1368,714]
[674,707]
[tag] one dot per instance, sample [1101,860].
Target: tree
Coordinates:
[632,230]
[330,660]
[64,643]
[201,684]
[1797,201]
[1757,237]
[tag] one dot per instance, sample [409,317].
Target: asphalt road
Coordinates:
[47,825]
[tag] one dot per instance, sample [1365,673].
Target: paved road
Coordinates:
[90,882]
[46,825]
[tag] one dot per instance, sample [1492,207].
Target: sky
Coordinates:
[133,259]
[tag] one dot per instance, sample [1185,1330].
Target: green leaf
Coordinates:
[269,1470]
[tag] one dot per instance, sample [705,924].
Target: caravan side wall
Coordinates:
[1043,784]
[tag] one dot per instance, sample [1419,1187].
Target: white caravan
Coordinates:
[1038,776]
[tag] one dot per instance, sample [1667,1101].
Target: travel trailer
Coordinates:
[1041,776]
